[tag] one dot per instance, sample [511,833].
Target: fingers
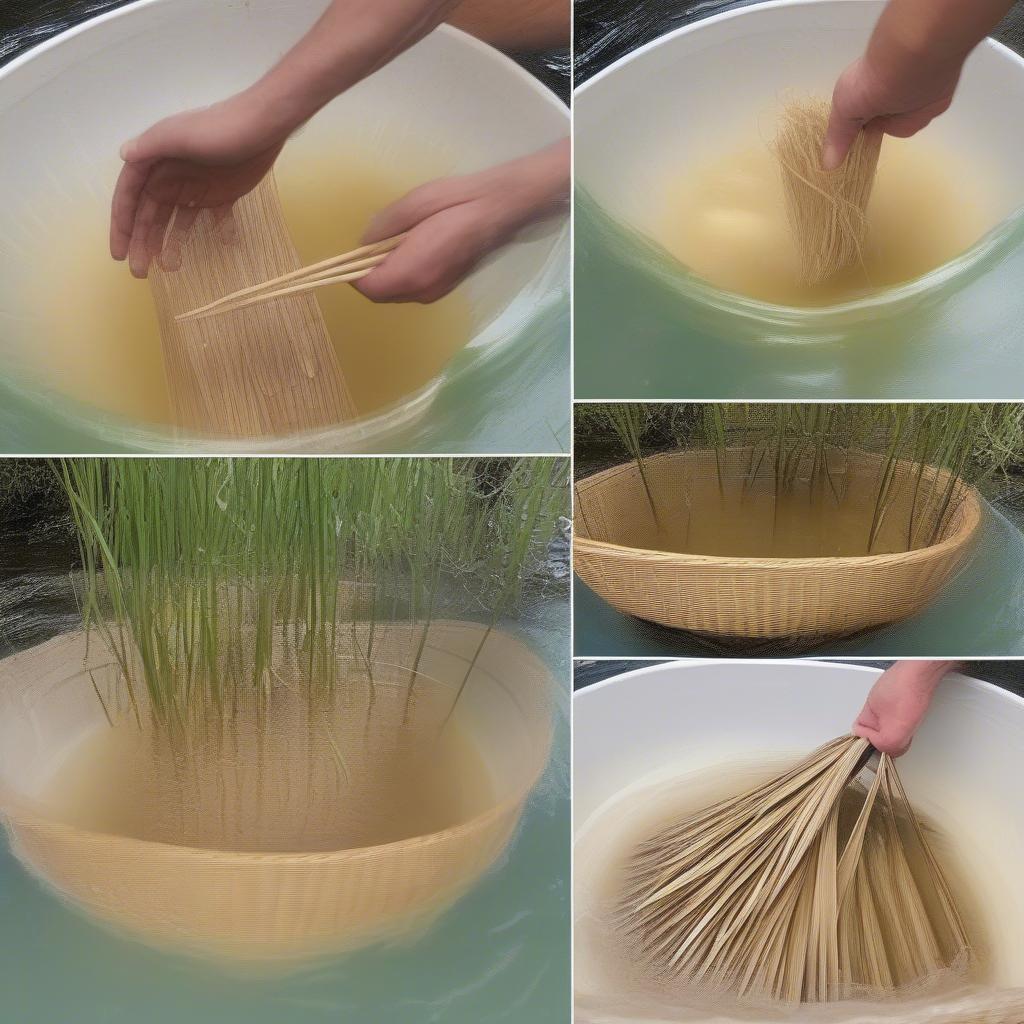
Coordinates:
[414,208]
[430,263]
[146,218]
[895,743]
[184,220]
[162,139]
[839,137]
[903,126]
[123,207]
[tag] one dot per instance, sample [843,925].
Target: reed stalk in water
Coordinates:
[926,455]
[206,578]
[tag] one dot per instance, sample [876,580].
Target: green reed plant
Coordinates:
[800,444]
[203,576]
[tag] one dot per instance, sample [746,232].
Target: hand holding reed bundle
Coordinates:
[252,373]
[350,266]
[827,209]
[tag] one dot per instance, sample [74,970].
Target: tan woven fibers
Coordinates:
[251,905]
[617,553]
[827,209]
[267,370]
[816,886]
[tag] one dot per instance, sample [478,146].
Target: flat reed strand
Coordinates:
[808,888]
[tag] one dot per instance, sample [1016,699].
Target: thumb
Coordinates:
[152,144]
[839,137]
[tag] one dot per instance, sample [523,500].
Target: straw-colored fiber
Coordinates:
[827,209]
[616,554]
[295,902]
[816,886]
[265,370]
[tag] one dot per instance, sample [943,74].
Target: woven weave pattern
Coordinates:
[747,597]
[255,906]
[267,370]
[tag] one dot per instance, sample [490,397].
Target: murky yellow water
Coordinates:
[97,339]
[266,792]
[724,218]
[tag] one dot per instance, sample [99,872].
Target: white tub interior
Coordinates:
[67,106]
[962,773]
[672,100]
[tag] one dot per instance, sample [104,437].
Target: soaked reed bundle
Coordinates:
[265,370]
[827,209]
[813,887]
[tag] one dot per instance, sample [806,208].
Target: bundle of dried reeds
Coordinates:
[827,209]
[266,370]
[813,887]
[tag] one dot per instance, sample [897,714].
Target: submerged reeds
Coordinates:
[817,886]
[209,580]
[267,371]
[827,210]
[925,456]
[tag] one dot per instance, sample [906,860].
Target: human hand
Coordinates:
[897,102]
[897,704]
[453,223]
[200,159]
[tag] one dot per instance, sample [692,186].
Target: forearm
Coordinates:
[545,178]
[351,40]
[522,26]
[934,35]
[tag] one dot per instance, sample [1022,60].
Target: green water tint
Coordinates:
[647,328]
[501,398]
[499,955]
[979,613]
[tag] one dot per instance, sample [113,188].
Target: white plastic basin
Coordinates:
[68,105]
[666,103]
[962,772]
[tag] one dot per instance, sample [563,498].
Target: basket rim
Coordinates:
[968,520]
[21,815]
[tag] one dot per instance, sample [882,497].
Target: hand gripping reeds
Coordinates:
[793,892]
[254,373]
[350,266]
[827,210]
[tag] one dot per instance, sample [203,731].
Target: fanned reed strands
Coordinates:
[266,370]
[827,209]
[202,576]
[814,887]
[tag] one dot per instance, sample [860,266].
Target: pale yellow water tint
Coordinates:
[724,217]
[97,339]
[119,781]
[787,525]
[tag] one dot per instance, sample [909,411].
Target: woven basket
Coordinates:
[258,906]
[753,598]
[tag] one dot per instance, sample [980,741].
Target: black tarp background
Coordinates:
[26,23]
[609,29]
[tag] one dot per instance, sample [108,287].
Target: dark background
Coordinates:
[26,23]
[609,29]
[1007,674]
